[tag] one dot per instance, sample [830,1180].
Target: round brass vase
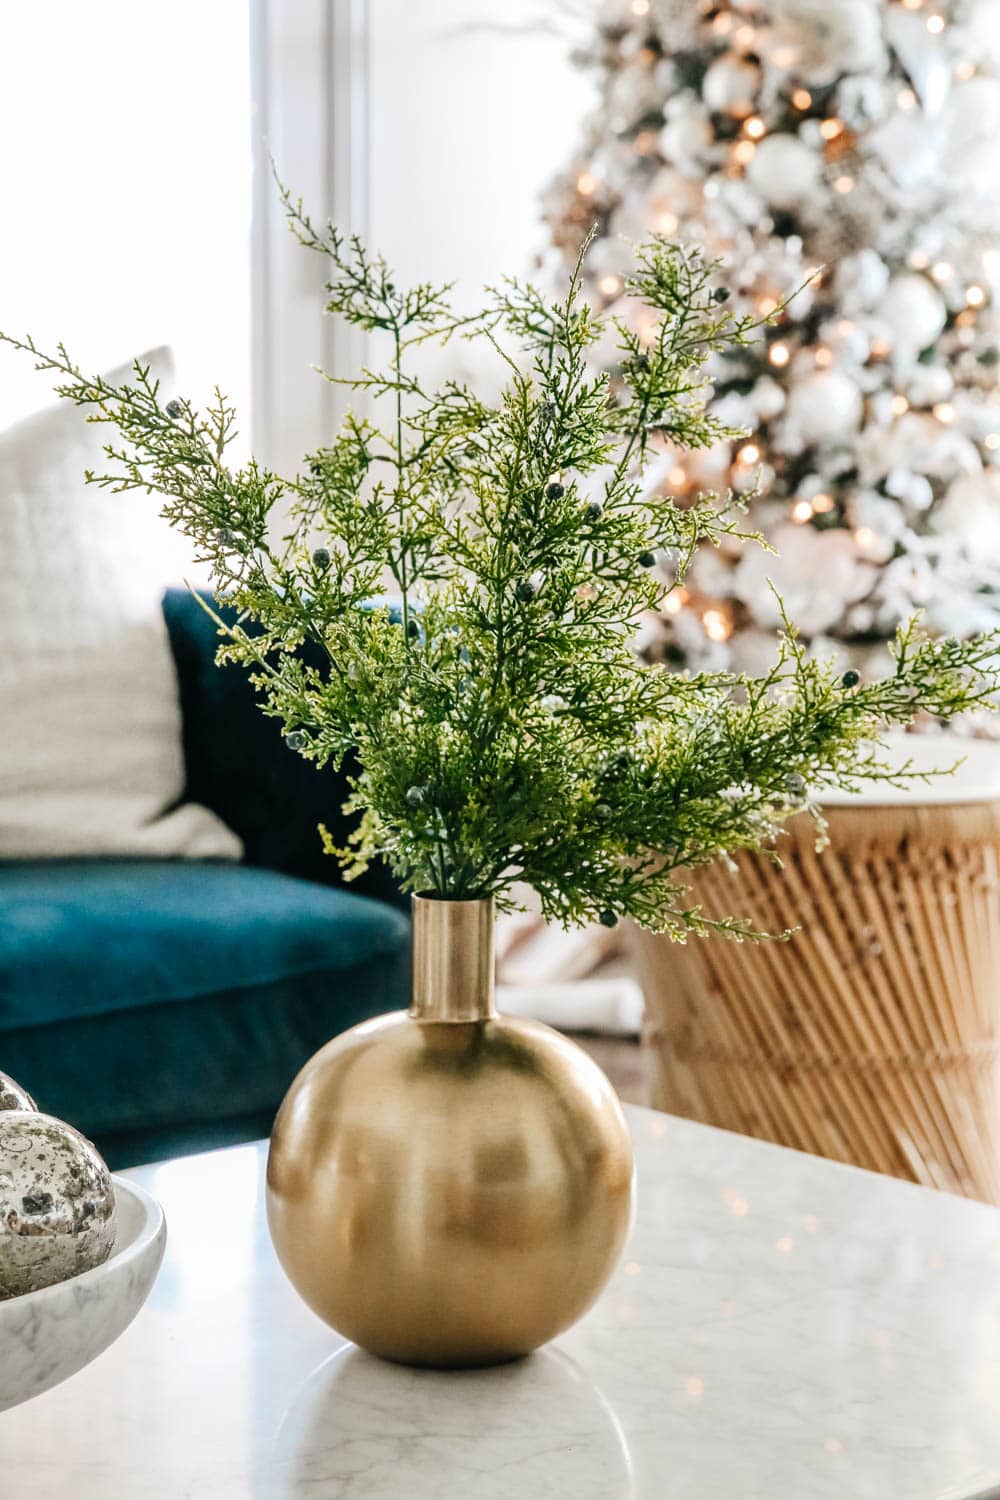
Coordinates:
[449,1187]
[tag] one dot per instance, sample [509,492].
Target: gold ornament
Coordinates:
[450,1187]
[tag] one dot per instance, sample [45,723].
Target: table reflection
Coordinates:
[374,1429]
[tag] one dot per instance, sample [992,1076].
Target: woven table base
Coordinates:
[871,1036]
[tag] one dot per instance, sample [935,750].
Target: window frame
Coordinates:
[309,68]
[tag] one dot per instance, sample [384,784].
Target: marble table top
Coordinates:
[780,1328]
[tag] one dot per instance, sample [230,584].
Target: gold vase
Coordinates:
[450,1187]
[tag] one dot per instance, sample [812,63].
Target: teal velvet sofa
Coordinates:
[164,1006]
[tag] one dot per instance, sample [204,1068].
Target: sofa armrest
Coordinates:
[239,766]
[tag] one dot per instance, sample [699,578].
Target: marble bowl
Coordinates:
[48,1335]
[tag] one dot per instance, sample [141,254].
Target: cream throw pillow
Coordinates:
[90,727]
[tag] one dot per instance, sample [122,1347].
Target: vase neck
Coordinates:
[452,960]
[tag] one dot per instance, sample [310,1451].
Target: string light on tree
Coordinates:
[717,626]
[645,326]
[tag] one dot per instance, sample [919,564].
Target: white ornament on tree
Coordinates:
[824,408]
[860,280]
[913,311]
[971,123]
[914,490]
[969,515]
[784,171]
[767,399]
[929,384]
[687,135]
[824,38]
[862,101]
[730,86]
[814,573]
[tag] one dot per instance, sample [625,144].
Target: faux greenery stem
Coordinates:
[505,730]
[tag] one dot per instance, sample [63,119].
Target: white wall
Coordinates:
[473,105]
[125,188]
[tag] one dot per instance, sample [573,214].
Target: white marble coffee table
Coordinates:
[780,1329]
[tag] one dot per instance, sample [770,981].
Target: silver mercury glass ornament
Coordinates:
[13,1096]
[57,1203]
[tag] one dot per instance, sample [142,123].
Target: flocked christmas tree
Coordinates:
[848,145]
